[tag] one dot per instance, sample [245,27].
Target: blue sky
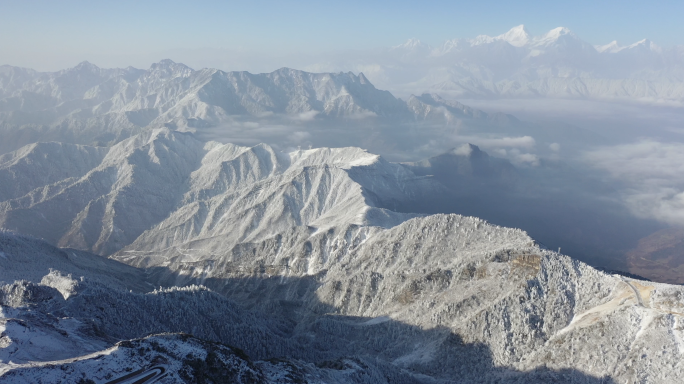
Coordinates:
[53,34]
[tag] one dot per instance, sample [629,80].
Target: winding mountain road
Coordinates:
[142,376]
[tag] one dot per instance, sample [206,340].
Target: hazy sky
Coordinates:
[50,35]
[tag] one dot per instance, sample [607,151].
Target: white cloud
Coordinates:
[307,116]
[526,159]
[526,142]
[361,115]
[646,160]
[653,173]
[464,150]
[299,136]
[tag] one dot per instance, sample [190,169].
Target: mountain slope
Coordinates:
[29,259]
[468,283]
[306,255]
[94,106]
[170,188]
[443,298]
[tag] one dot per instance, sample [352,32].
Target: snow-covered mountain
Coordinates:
[91,105]
[132,248]
[442,299]
[300,266]
[163,191]
[515,64]
[165,188]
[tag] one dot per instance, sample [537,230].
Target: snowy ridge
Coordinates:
[304,255]
[30,259]
[430,293]
[91,105]
[169,188]
[515,64]
[46,163]
[488,284]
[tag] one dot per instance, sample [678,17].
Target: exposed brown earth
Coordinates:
[659,256]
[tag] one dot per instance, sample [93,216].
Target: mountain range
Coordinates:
[167,190]
[443,298]
[515,64]
[91,105]
[134,248]
[304,266]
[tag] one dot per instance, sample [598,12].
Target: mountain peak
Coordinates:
[412,44]
[168,63]
[561,36]
[466,150]
[554,34]
[645,44]
[557,32]
[86,66]
[516,36]
[169,68]
[611,47]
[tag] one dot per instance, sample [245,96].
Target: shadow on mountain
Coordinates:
[302,327]
[269,317]
[557,206]
[595,231]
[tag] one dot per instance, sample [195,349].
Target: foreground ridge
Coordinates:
[416,300]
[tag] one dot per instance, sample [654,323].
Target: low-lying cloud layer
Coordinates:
[652,176]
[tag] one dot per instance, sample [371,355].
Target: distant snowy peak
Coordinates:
[641,46]
[517,36]
[411,49]
[412,44]
[554,35]
[85,66]
[645,45]
[164,71]
[171,69]
[611,47]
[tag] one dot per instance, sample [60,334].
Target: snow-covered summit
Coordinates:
[553,36]
[612,47]
[168,69]
[520,38]
[643,46]
[412,44]
[169,186]
[344,158]
[516,36]
[556,64]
